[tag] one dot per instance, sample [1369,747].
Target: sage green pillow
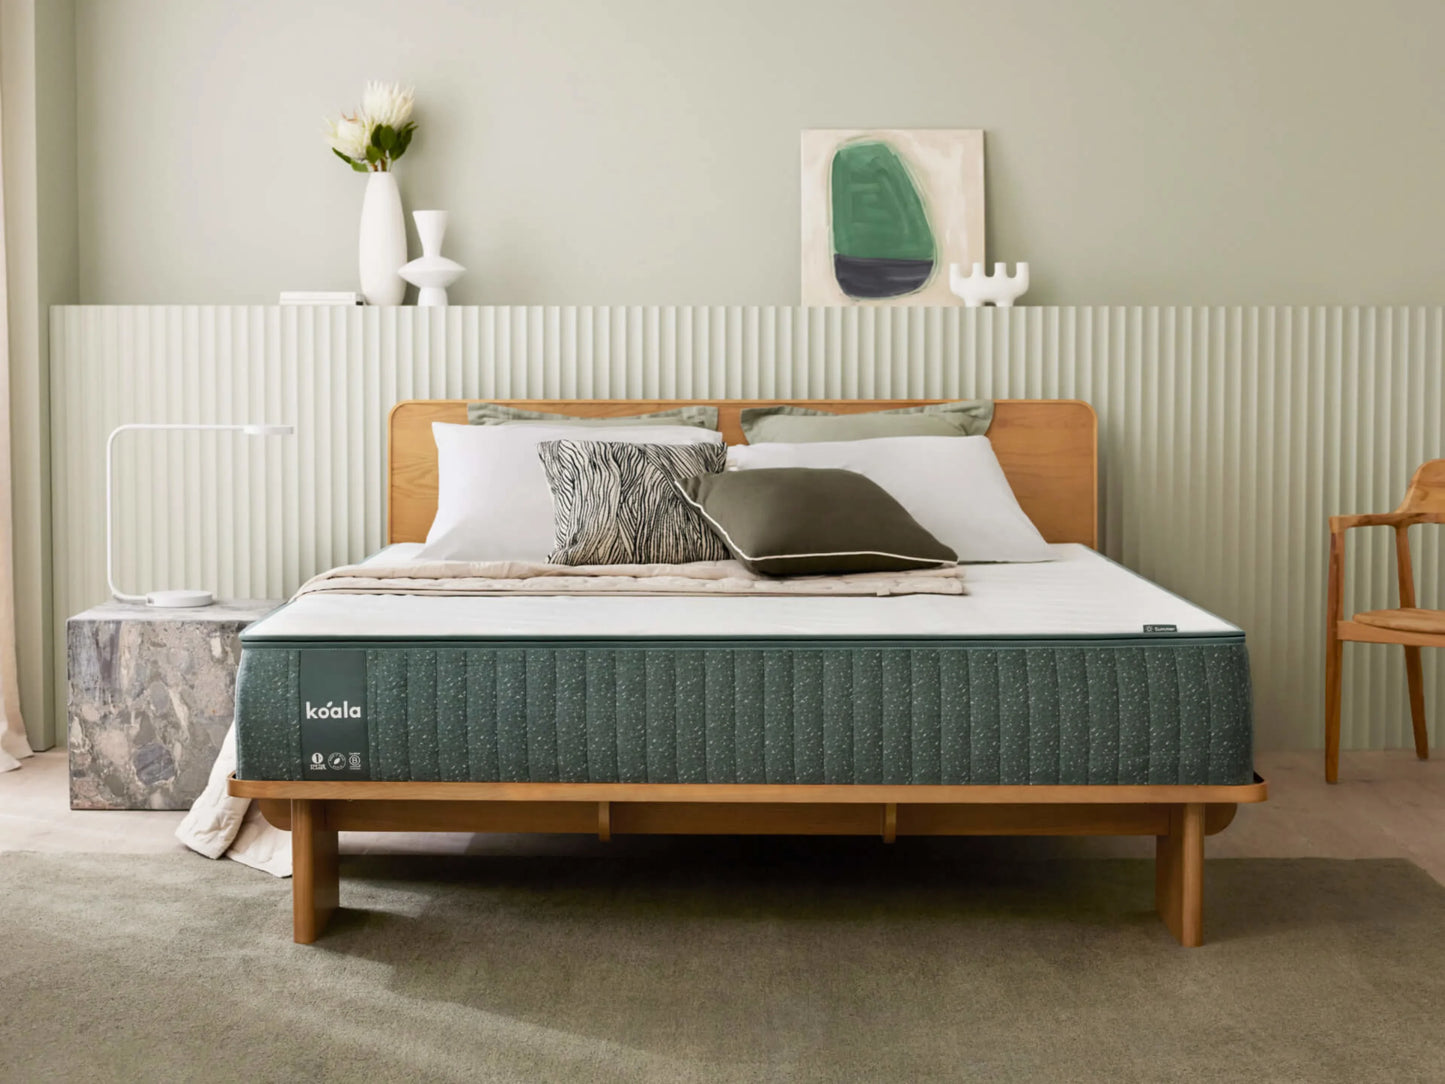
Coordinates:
[804,521]
[803,425]
[703,417]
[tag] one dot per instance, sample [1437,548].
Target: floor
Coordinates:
[1388,805]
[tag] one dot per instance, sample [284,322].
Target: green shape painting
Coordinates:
[885,212]
[882,241]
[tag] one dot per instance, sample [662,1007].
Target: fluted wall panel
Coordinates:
[1228,436]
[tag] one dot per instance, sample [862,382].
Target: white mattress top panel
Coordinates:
[1081,593]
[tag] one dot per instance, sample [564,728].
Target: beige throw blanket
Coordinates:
[698,578]
[219,824]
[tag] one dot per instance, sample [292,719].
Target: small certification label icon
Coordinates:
[317,760]
[354,762]
[337,760]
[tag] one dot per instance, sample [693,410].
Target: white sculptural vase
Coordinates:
[431,272]
[977,288]
[382,248]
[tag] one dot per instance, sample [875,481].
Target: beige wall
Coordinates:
[646,151]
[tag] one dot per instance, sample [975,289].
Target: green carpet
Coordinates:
[719,960]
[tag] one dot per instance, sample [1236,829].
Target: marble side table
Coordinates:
[151,696]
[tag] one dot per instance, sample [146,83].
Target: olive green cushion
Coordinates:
[799,425]
[801,521]
[703,417]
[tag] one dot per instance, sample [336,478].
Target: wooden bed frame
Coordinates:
[1047,448]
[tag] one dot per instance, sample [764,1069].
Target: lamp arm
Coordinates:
[253,430]
[115,592]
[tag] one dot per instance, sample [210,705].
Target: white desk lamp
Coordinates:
[166,599]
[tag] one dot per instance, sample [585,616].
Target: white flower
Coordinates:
[349,135]
[386,103]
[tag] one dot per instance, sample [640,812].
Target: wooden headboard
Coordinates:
[1048,449]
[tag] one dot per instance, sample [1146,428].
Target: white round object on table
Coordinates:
[180,599]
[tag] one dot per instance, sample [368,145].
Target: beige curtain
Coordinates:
[13,745]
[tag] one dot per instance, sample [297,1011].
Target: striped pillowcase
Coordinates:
[616,503]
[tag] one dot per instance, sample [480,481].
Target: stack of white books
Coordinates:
[320,297]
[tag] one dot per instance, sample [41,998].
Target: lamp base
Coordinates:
[179,600]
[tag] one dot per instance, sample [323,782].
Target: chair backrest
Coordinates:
[1426,495]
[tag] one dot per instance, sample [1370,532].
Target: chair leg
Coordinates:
[1416,678]
[1334,677]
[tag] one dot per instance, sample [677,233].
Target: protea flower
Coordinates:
[387,103]
[377,134]
[348,136]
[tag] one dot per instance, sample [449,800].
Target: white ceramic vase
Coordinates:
[382,249]
[432,271]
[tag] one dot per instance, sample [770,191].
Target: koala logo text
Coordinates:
[332,710]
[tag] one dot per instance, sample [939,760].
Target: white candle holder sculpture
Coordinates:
[1001,288]
[431,271]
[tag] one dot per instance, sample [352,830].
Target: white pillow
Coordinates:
[953,486]
[493,503]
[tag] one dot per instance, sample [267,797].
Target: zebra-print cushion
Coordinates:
[615,503]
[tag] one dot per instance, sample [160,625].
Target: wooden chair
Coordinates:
[1409,626]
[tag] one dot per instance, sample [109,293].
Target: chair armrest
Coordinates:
[1339,524]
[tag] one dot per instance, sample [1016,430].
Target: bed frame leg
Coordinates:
[315,874]
[1179,874]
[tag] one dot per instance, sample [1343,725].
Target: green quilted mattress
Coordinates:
[1111,710]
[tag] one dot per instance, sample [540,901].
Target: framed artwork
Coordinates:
[886,210]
